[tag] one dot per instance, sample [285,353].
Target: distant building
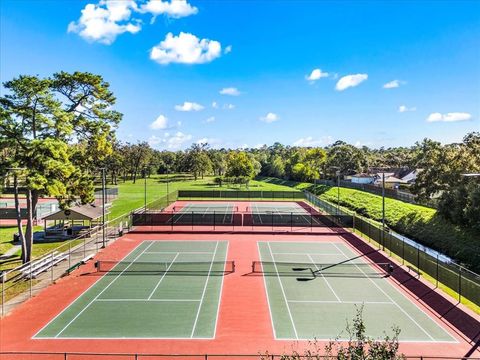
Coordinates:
[391,182]
[411,177]
[363,179]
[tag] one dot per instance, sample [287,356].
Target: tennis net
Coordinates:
[298,269]
[160,267]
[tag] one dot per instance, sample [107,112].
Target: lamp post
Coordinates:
[168,183]
[103,208]
[145,189]
[383,210]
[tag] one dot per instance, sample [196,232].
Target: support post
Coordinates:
[103,208]
[383,210]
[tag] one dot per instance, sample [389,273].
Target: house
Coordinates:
[411,176]
[391,182]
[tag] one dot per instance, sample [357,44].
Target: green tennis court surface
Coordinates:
[306,303]
[204,213]
[282,214]
[162,289]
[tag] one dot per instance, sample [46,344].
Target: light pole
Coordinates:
[145,190]
[168,180]
[383,210]
[338,192]
[103,208]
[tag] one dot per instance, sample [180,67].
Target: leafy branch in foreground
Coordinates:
[358,347]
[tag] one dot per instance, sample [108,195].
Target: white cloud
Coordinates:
[350,81]
[214,105]
[170,141]
[230,91]
[104,21]
[310,141]
[173,9]
[269,118]
[189,106]
[316,74]
[228,49]
[393,84]
[210,119]
[229,106]
[403,108]
[449,117]
[185,48]
[160,123]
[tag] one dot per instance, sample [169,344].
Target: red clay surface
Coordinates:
[244,325]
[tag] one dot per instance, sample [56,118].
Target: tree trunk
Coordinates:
[27,255]
[18,211]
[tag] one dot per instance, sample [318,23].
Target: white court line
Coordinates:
[183,252]
[203,293]
[283,292]
[79,296]
[101,292]
[340,302]
[163,276]
[393,301]
[220,293]
[257,213]
[300,253]
[148,300]
[266,291]
[324,278]
[182,212]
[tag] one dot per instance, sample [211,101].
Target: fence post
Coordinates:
[403,252]
[418,261]
[3,275]
[291,221]
[460,284]
[214,220]
[69,254]
[436,275]
[31,278]
[51,267]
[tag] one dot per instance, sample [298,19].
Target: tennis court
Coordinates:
[162,289]
[313,288]
[282,214]
[204,213]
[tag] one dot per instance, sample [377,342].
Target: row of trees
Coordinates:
[57,132]
[440,176]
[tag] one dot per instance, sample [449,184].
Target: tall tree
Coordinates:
[43,118]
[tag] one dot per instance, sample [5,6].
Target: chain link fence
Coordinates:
[463,281]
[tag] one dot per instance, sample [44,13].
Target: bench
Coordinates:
[43,264]
[85,259]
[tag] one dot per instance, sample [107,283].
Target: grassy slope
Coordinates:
[417,222]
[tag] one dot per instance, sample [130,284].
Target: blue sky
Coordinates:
[262,53]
